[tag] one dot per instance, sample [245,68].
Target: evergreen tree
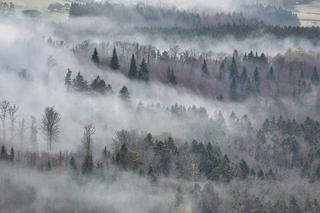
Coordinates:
[122,155]
[73,164]
[67,79]
[11,156]
[245,84]
[87,166]
[244,169]
[124,94]
[98,85]
[95,57]
[261,137]
[48,165]
[79,83]
[226,170]
[221,75]
[114,63]
[133,71]
[315,76]
[3,153]
[233,69]
[294,206]
[233,78]
[171,77]
[233,93]
[151,174]
[204,68]
[270,75]
[256,81]
[143,71]
[260,174]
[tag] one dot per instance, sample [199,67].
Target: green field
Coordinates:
[42,6]
[309,14]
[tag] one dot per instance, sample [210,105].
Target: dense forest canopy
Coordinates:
[148,108]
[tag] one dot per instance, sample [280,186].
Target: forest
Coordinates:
[137,107]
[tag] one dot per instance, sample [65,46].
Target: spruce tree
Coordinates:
[124,94]
[226,170]
[256,81]
[270,75]
[3,153]
[315,76]
[87,166]
[11,156]
[73,164]
[233,92]
[171,77]
[133,71]
[244,169]
[95,57]
[233,78]
[98,85]
[114,63]
[79,83]
[221,74]
[143,71]
[233,70]
[67,79]
[204,68]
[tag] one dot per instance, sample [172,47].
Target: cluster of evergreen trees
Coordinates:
[241,86]
[238,31]
[98,85]
[135,72]
[81,85]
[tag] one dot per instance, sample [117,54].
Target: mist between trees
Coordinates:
[171,111]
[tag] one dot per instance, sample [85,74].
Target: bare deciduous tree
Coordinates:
[50,125]
[89,131]
[22,128]
[33,133]
[4,107]
[12,115]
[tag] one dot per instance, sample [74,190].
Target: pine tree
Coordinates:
[233,70]
[122,155]
[11,156]
[3,153]
[143,71]
[87,166]
[133,71]
[315,76]
[270,75]
[226,170]
[79,83]
[233,93]
[294,206]
[221,75]
[114,63]
[95,57]
[67,79]
[256,81]
[260,174]
[73,164]
[244,82]
[233,78]
[171,77]
[98,85]
[124,94]
[204,68]
[244,169]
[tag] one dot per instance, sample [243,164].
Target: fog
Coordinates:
[35,55]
